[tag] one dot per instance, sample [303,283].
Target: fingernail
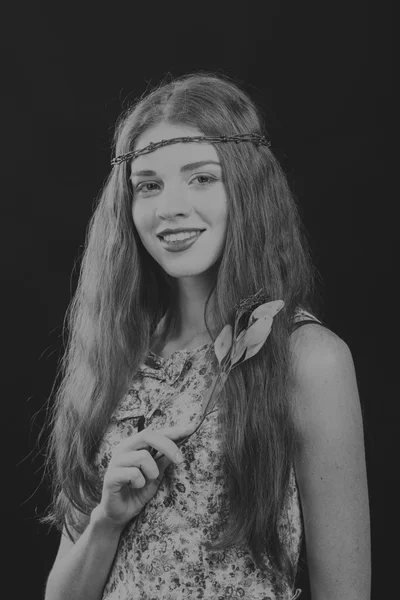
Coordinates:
[179,457]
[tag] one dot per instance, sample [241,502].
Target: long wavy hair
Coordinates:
[122,295]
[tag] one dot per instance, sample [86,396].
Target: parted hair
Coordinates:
[122,294]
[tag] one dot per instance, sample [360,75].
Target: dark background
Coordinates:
[322,75]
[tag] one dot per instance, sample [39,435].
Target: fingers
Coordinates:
[162,464]
[140,459]
[116,478]
[161,440]
[133,468]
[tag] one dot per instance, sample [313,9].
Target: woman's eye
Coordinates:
[141,187]
[207,177]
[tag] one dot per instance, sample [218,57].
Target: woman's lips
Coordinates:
[179,245]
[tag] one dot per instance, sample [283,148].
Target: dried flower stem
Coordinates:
[212,394]
[253,320]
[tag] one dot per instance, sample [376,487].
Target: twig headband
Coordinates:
[258,140]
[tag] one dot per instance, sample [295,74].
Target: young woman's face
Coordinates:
[171,191]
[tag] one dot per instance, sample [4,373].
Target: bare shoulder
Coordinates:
[325,386]
[313,343]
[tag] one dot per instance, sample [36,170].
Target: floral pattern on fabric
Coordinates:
[159,555]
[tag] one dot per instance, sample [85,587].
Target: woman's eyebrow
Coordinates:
[184,169]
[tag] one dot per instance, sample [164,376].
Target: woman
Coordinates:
[282,454]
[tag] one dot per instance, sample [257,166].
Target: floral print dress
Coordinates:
[159,555]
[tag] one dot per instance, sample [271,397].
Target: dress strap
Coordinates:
[305,322]
[303,317]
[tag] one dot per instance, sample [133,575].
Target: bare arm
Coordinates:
[132,478]
[330,466]
[81,569]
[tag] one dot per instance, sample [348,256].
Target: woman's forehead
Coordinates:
[175,156]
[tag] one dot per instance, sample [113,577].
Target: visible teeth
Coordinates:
[179,236]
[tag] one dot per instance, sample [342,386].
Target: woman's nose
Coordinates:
[172,201]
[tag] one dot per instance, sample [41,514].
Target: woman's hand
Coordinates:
[133,475]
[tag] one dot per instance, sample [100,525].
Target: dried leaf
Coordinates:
[223,343]
[259,328]
[258,332]
[254,349]
[269,308]
[238,347]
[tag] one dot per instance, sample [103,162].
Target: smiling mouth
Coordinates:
[186,239]
[178,245]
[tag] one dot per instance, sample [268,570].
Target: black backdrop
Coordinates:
[323,76]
